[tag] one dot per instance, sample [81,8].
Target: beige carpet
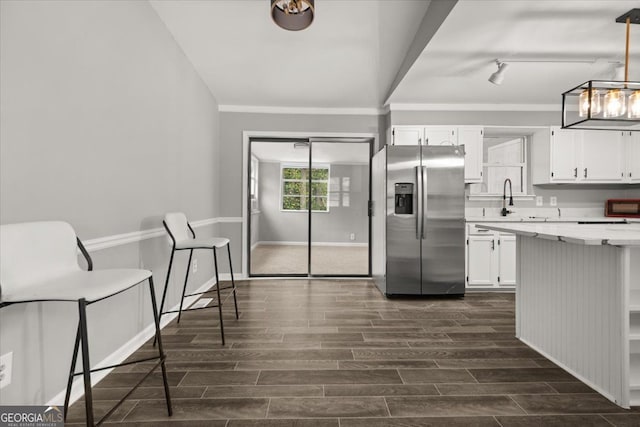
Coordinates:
[292,259]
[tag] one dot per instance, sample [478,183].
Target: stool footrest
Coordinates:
[120,364]
[126,396]
[190,309]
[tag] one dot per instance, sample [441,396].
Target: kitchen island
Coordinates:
[578,301]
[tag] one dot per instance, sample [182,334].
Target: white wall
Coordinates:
[105,124]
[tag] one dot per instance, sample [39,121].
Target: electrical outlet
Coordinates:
[553,201]
[6,362]
[352,236]
[539,201]
[195,265]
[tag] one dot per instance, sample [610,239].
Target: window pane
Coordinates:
[503,150]
[291,203]
[295,187]
[294,173]
[496,175]
[319,173]
[319,204]
[319,188]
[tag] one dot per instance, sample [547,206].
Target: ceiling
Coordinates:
[354,50]
[348,57]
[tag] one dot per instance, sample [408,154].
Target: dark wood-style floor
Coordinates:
[337,353]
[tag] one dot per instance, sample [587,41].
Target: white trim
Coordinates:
[302,110]
[97,244]
[282,243]
[126,350]
[475,107]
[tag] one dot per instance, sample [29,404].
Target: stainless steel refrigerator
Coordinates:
[418,220]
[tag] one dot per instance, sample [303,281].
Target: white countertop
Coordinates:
[582,234]
[537,219]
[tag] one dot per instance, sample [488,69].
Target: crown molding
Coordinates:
[302,110]
[475,107]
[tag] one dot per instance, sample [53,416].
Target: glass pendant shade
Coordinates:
[634,105]
[614,103]
[596,105]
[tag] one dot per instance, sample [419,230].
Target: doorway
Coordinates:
[308,207]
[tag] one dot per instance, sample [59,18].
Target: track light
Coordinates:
[497,77]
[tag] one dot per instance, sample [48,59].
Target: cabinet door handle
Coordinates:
[493,245]
[575,172]
[585,172]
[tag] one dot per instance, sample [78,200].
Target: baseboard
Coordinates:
[126,350]
[282,243]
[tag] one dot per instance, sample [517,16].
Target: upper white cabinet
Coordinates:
[407,135]
[564,163]
[633,157]
[581,156]
[441,135]
[469,136]
[602,156]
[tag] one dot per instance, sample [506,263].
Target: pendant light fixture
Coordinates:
[293,15]
[606,105]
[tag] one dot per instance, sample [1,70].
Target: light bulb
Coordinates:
[634,105]
[596,105]
[614,103]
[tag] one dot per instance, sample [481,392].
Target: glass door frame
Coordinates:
[362,140]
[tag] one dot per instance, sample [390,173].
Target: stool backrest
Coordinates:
[31,252]
[178,226]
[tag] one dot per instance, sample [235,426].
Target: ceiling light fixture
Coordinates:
[497,77]
[293,15]
[605,105]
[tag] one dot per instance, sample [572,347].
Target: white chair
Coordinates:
[184,238]
[39,262]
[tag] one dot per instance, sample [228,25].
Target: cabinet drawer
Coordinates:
[473,230]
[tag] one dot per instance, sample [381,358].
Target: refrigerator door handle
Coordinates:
[424,200]
[419,202]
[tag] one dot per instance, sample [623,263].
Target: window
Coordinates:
[504,157]
[253,179]
[295,194]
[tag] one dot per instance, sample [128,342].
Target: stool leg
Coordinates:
[184,289]
[166,286]
[71,372]
[215,265]
[86,366]
[233,283]
[156,319]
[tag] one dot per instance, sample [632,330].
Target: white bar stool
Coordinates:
[184,238]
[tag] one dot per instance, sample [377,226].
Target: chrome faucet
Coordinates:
[504,211]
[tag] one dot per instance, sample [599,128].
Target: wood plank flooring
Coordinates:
[336,353]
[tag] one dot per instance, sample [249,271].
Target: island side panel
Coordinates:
[570,300]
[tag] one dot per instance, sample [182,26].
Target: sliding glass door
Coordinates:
[308,207]
[339,208]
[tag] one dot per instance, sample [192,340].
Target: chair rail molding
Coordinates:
[100,243]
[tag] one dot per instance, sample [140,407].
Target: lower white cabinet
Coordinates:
[491,259]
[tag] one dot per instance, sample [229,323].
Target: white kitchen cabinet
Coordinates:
[580,156]
[480,269]
[471,138]
[491,259]
[506,259]
[407,135]
[441,135]
[564,149]
[633,157]
[602,156]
